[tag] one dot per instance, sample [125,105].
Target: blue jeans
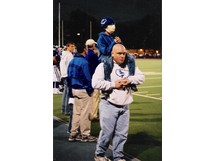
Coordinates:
[114,123]
[65,99]
[70,117]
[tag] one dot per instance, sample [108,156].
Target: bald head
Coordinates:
[119,53]
[117,47]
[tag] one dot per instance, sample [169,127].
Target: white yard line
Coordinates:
[152,73]
[60,120]
[149,87]
[142,92]
[153,78]
[153,94]
[147,96]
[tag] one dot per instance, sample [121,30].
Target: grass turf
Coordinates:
[145,129]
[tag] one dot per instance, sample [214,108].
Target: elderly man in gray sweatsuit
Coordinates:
[114,104]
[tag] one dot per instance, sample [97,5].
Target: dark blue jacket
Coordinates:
[79,74]
[105,43]
[93,61]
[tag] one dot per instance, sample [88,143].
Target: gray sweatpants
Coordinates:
[114,123]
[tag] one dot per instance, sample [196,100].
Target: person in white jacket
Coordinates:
[66,57]
[114,105]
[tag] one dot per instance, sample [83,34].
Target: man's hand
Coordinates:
[125,81]
[120,83]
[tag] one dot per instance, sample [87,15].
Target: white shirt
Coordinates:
[64,62]
[118,96]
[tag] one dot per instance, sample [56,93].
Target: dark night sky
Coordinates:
[121,11]
[130,16]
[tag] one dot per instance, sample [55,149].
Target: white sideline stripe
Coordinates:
[153,78]
[152,73]
[60,120]
[149,87]
[142,92]
[153,94]
[147,96]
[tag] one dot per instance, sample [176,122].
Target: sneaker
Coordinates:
[61,90]
[122,160]
[54,90]
[57,91]
[88,138]
[79,137]
[92,138]
[72,137]
[100,158]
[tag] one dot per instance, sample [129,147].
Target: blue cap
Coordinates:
[106,21]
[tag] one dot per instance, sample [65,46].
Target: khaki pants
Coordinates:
[95,104]
[81,111]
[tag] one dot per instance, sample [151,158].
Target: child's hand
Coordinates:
[117,39]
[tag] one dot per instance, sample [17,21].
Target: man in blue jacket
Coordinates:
[79,80]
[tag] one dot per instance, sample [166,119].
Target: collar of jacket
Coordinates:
[78,55]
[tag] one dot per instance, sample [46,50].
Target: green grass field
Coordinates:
[145,131]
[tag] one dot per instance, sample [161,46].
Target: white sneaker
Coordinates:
[56,91]
[99,158]
[59,92]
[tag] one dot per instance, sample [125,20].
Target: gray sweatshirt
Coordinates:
[118,96]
